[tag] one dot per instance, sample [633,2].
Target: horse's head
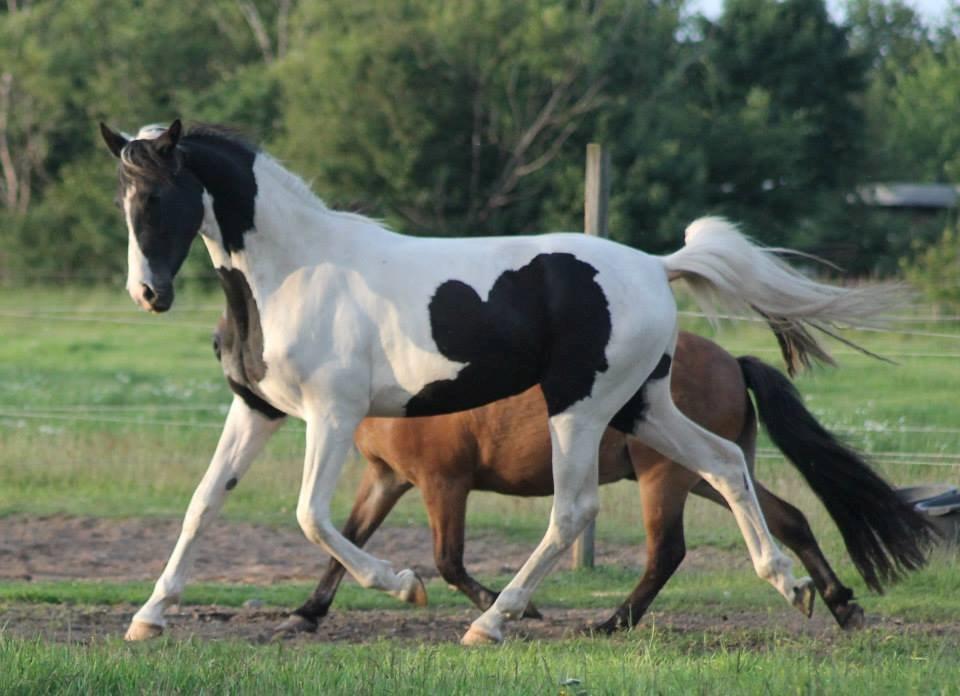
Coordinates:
[163,205]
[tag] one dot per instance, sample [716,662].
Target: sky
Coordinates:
[931,10]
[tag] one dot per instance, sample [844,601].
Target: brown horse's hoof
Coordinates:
[853,618]
[531,612]
[477,636]
[804,595]
[605,628]
[294,625]
[141,630]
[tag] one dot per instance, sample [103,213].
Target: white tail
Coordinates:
[722,267]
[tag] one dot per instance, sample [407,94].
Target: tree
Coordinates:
[67,66]
[459,118]
[784,85]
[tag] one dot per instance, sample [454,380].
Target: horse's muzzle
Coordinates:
[158,299]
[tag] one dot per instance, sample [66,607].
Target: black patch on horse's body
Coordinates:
[547,322]
[238,343]
[231,484]
[632,412]
[255,402]
[224,166]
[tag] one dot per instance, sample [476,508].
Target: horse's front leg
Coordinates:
[329,439]
[244,435]
[380,489]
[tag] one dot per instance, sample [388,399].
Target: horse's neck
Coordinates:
[290,229]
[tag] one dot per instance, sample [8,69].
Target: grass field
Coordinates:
[108,412]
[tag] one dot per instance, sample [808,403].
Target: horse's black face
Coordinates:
[163,220]
[163,205]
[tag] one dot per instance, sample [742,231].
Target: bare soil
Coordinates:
[752,630]
[59,547]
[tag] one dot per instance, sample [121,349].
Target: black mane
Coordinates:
[215,132]
[141,164]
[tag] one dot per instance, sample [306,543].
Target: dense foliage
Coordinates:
[471,118]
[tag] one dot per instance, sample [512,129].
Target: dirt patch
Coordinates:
[753,630]
[60,547]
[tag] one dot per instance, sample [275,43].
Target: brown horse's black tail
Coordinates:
[884,536]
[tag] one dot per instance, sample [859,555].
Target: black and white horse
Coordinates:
[337,318]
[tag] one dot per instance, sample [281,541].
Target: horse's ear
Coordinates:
[115,141]
[167,142]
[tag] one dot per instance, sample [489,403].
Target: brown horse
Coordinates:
[505,447]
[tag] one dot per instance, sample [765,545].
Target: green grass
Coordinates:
[927,596]
[647,661]
[105,418]
[101,418]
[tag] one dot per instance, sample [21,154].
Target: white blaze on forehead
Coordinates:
[138,268]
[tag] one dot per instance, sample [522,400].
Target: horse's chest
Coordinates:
[239,342]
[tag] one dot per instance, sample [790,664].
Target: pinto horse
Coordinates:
[338,318]
[504,447]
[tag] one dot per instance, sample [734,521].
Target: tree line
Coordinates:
[471,118]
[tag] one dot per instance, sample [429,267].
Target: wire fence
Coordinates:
[151,416]
[140,416]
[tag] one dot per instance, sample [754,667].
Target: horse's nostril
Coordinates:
[148,294]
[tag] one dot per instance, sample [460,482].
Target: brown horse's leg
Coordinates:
[663,490]
[446,503]
[790,526]
[379,491]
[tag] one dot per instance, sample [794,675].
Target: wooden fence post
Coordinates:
[596,202]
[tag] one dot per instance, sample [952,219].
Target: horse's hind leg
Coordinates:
[790,526]
[379,491]
[721,463]
[244,435]
[576,441]
[446,503]
[663,492]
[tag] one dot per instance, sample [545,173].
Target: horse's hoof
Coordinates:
[141,630]
[531,612]
[294,625]
[804,595]
[477,636]
[605,628]
[854,619]
[415,593]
